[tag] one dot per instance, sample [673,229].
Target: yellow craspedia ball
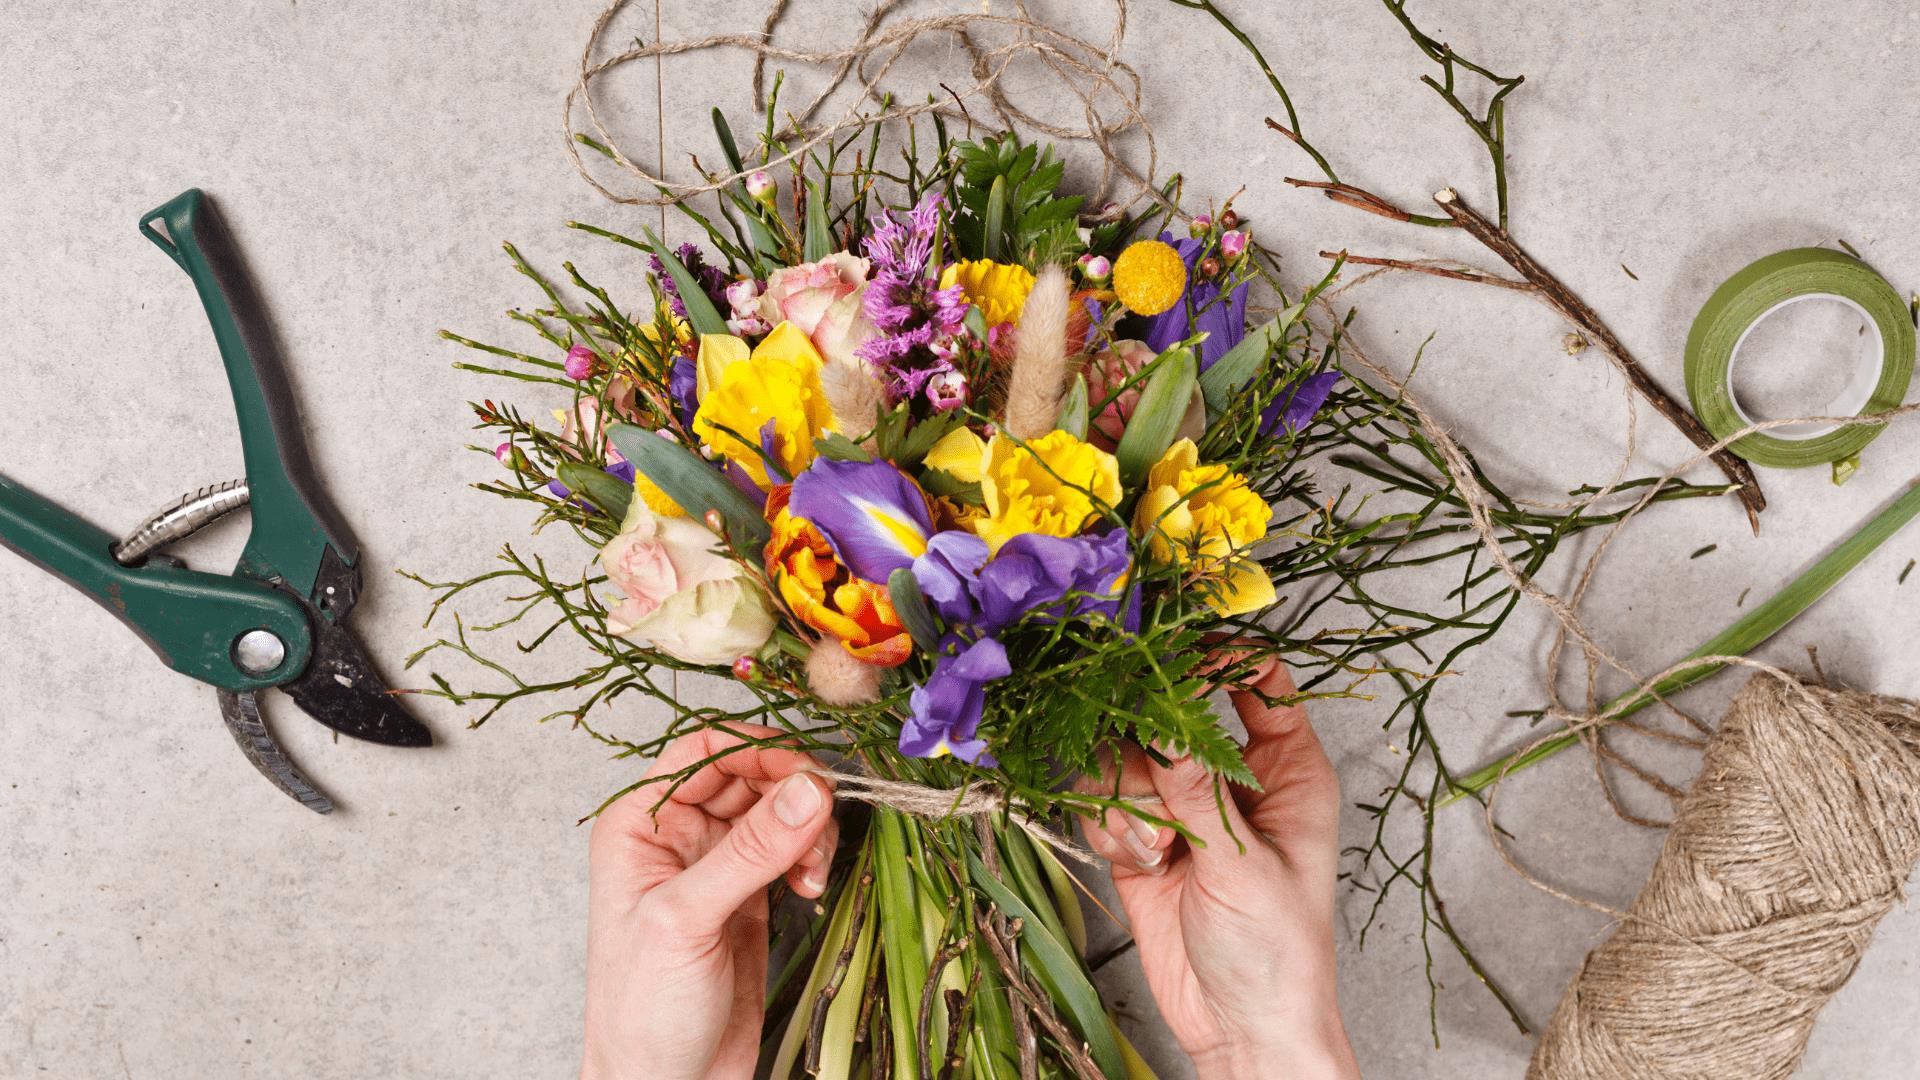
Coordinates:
[1149,277]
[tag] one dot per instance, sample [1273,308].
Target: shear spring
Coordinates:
[187,515]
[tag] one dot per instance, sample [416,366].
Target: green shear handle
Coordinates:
[193,620]
[293,523]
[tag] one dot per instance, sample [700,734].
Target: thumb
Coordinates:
[763,844]
[1200,801]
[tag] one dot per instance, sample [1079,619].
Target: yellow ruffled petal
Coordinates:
[717,353]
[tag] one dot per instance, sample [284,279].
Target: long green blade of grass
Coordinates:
[1746,634]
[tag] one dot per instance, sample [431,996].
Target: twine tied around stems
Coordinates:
[1792,843]
[973,800]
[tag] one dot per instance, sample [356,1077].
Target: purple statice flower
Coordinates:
[712,279]
[1224,320]
[978,596]
[904,301]
[1294,405]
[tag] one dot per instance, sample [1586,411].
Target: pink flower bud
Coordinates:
[713,520]
[580,363]
[1201,225]
[947,390]
[504,454]
[1096,268]
[746,669]
[760,186]
[1233,245]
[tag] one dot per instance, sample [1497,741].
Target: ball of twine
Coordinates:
[1794,840]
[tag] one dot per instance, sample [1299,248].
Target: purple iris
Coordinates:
[978,596]
[683,385]
[1294,406]
[947,707]
[870,512]
[1225,322]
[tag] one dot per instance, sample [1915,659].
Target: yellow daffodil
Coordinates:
[1204,517]
[999,290]
[1053,485]
[960,454]
[742,391]
[1149,277]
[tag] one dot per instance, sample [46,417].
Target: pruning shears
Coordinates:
[276,621]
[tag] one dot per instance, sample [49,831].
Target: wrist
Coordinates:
[1326,1056]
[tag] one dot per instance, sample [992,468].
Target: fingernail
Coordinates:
[1146,857]
[797,800]
[1148,832]
[815,879]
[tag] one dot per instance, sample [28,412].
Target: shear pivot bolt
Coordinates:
[259,651]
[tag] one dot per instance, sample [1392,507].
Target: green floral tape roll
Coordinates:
[1879,381]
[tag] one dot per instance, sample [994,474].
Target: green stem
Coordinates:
[1746,634]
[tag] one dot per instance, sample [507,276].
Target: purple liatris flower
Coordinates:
[904,301]
[1223,318]
[712,279]
[1294,406]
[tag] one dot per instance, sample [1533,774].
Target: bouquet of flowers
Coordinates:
[963,484]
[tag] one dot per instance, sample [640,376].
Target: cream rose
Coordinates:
[679,594]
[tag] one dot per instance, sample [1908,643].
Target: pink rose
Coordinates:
[1113,368]
[583,426]
[823,299]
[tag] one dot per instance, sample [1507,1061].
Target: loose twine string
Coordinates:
[1092,75]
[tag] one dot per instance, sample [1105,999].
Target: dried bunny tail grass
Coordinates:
[1038,384]
[839,678]
[854,393]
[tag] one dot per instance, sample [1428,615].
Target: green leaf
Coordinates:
[819,243]
[1156,420]
[903,947]
[1233,370]
[1073,411]
[911,605]
[608,492]
[1059,971]
[701,314]
[837,447]
[692,482]
[920,438]
[993,239]
[943,483]
[727,145]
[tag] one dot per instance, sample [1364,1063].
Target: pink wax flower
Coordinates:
[760,186]
[947,390]
[581,363]
[1201,225]
[1096,268]
[1233,245]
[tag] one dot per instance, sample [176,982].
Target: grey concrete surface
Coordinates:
[164,913]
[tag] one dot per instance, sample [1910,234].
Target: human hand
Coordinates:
[677,906]
[1237,946]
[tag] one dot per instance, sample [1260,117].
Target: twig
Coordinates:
[824,1000]
[1075,1052]
[998,930]
[1575,310]
[928,990]
[1475,276]
[959,1013]
[1359,198]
